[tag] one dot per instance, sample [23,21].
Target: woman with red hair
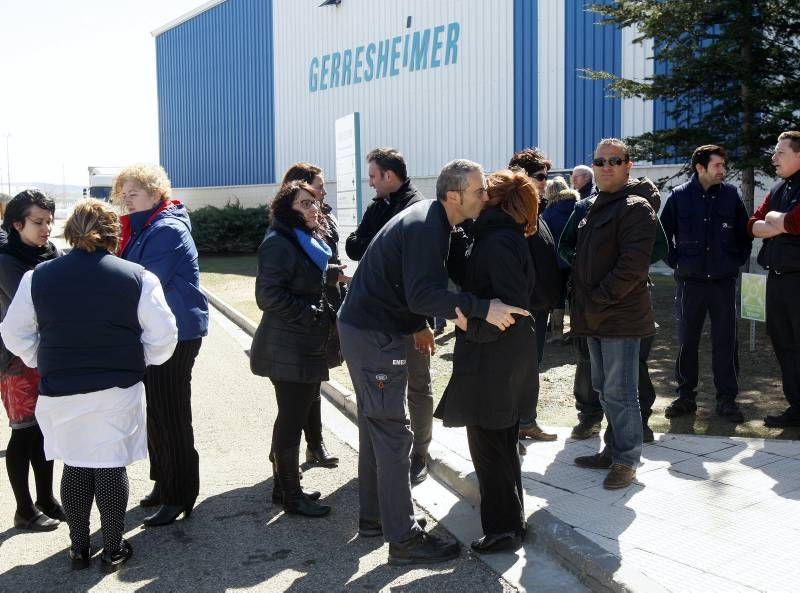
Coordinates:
[493,370]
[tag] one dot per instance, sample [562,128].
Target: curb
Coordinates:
[599,569]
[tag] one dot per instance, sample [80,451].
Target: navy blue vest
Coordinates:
[86,308]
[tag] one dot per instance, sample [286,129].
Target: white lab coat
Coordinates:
[106,428]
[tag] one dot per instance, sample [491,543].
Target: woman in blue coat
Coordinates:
[156,233]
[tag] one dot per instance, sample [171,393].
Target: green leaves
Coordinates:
[230,229]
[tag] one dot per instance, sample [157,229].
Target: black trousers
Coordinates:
[496,460]
[109,487]
[587,400]
[693,300]
[783,328]
[527,417]
[294,402]
[25,450]
[174,462]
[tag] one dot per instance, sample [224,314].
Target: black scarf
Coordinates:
[30,256]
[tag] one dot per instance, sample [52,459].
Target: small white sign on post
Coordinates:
[348,180]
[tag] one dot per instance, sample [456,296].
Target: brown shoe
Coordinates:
[596,461]
[537,434]
[620,476]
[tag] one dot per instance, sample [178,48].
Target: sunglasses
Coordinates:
[539,176]
[614,161]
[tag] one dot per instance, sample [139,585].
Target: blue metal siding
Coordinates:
[216,110]
[526,91]
[590,115]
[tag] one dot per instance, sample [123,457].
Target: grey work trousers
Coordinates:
[377,364]
[420,396]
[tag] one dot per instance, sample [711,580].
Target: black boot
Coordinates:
[294,501]
[153,499]
[319,455]
[277,491]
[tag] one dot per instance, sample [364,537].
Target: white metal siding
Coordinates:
[637,64]
[432,116]
[551,80]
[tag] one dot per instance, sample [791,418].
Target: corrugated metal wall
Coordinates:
[552,80]
[215,97]
[433,114]
[233,113]
[526,74]
[590,114]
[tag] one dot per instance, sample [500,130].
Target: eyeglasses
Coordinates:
[539,176]
[614,161]
[478,192]
[307,204]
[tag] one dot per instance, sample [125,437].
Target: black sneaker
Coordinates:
[730,411]
[585,429]
[422,548]
[419,468]
[647,434]
[680,407]
[783,420]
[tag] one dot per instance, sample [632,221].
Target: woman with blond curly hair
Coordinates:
[494,371]
[156,233]
[90,322]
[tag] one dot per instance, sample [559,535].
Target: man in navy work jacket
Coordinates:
[402,280]
[706,226]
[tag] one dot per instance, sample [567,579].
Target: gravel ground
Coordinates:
[233,280]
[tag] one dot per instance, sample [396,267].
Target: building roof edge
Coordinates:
[186,17]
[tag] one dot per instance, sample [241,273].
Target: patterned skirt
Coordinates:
[19,388]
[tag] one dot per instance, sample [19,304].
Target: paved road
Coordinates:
[236,538]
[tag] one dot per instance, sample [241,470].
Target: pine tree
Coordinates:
[729,74]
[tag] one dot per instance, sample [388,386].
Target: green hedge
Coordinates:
[230,229]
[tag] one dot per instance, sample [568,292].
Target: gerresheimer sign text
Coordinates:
[429,48]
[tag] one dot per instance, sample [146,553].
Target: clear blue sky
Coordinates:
[78,85]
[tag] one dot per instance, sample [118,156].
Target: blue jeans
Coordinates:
[615,376]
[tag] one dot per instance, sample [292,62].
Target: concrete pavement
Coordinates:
[236,539]
[707,514]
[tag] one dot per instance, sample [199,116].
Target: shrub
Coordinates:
[230,229]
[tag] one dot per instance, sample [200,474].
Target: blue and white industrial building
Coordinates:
[248,87]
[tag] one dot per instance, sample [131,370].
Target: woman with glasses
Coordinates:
[24,244]
[335,290]
[157,234]
[289,346]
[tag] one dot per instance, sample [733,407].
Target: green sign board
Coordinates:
[754,297]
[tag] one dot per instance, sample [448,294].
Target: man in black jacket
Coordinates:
[394,193]
[706,226]
[401,281]
[777,221]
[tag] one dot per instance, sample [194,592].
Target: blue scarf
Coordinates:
[317,250]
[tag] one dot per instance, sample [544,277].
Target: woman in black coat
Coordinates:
[494,370]
[24,243]
[290,343]
[335,283]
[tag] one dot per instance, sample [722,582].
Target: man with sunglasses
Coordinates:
[706,226]
[612,305]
